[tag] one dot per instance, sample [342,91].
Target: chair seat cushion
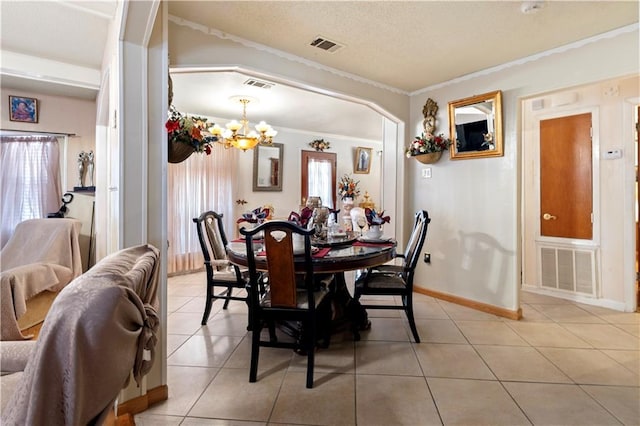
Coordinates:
[229,274]
[302,301]
[388,269]
[381,282]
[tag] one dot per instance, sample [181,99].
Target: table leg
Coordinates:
[346,313]
[347,310]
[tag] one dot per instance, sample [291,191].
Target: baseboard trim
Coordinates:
[578,298]
[142,402]
[478,306]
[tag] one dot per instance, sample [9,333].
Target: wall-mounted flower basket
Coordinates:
[179,151]
[429,158]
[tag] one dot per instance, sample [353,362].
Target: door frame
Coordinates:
[530,231]
[595,178]
[629,203]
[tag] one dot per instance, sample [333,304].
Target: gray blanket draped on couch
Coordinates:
[100,327]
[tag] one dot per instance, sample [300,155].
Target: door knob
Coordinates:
[548,216]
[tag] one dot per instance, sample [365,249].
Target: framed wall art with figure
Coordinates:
[363,160]
[23,109]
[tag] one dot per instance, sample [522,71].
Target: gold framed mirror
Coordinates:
[475,126]
[267,167]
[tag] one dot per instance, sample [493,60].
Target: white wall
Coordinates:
[475,231]
[475,234]
[294,143]
[193,48]
[59,114]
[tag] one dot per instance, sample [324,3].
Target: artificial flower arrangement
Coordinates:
[427,143]
[190,131]
[375,218]
[320,144]
[348,188]
[302,218]
[257,215]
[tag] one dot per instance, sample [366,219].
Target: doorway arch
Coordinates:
[392,133]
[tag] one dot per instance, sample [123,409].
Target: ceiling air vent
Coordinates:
[326,44]
[259,84]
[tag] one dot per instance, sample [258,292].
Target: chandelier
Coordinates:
[237,133]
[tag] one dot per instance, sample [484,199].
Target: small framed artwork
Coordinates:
[363,160]
[23,109]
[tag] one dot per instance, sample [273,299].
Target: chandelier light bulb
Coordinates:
[271,133]
[216,130]
[262,127]
[234,125]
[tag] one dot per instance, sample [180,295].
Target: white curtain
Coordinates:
[201,183]
[319,181]
[29,180]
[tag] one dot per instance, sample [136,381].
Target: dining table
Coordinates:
[336,256]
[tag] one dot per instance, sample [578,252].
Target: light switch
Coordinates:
[426,172]
[612,154]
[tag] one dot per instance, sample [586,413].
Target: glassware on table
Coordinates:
[361,222]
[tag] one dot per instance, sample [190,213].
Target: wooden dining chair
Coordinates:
[397,280]
[220,272]
[293,293]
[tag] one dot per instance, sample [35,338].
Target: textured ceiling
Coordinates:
[403,45]
[410,45]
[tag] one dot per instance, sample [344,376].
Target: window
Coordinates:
[198,184]
[319,177]
[29,179]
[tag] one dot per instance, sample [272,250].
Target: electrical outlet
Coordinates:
[426,172]
[427,258]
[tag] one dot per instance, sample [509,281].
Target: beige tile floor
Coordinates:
[562,364]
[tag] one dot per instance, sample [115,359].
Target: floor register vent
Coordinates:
[569,269]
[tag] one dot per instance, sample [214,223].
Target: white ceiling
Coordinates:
[403,45]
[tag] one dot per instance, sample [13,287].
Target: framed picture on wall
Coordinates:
[363,160]
[23,109]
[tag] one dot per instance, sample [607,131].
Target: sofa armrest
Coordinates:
[15,354]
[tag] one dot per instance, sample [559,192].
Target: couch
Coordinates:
[41,255]
[100,328]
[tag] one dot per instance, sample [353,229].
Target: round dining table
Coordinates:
[336,257]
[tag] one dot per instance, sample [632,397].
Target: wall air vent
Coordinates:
[258,83]
[569,269]
[325,44]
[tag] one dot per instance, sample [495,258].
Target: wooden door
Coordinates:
[308,157]
[566,187]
